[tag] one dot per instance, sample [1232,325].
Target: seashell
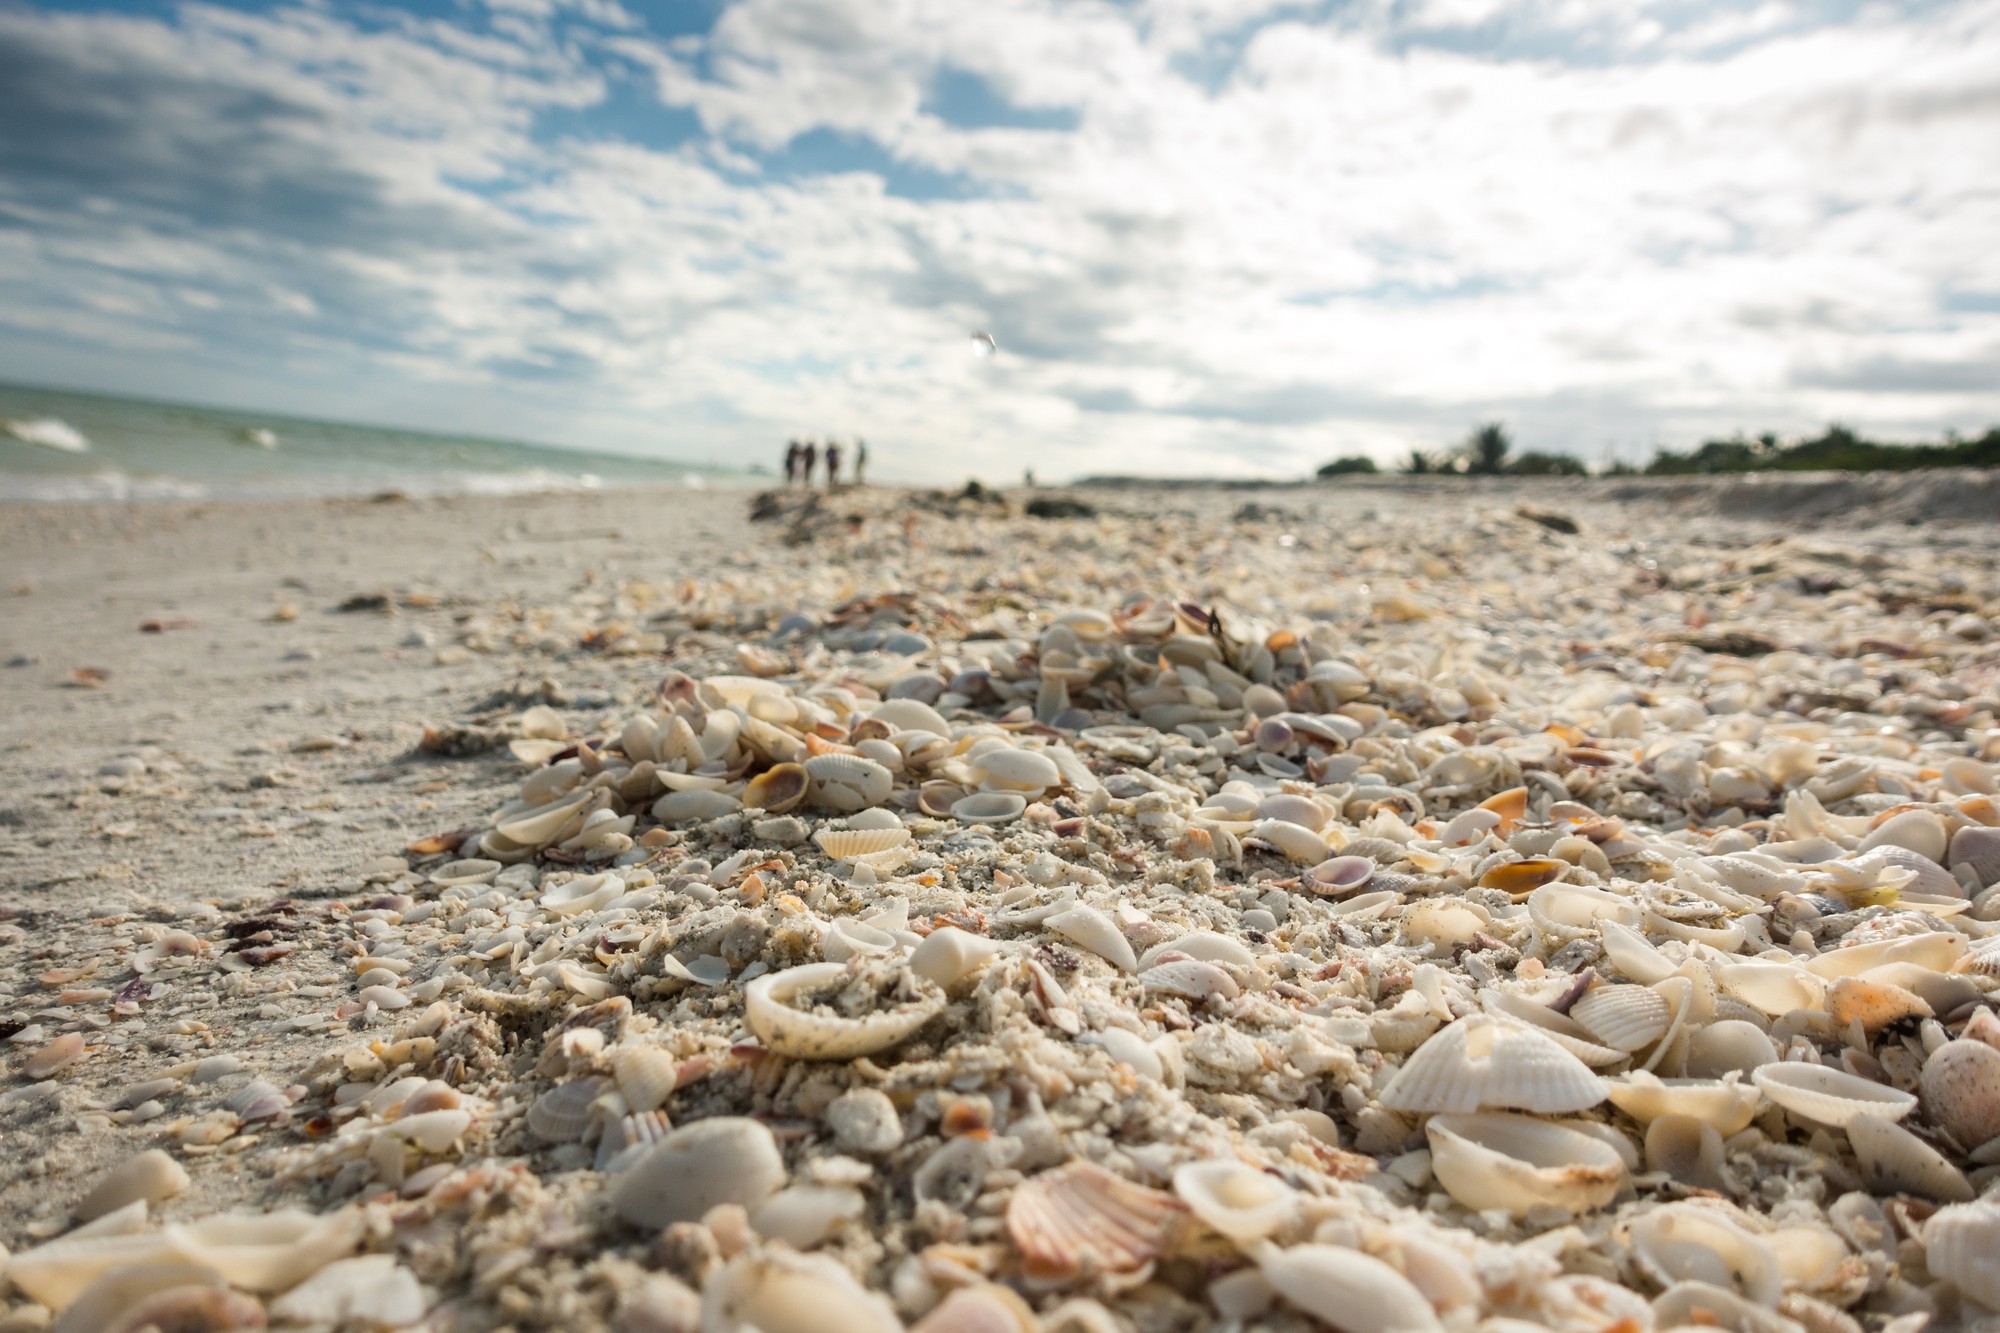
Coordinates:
[846,844]
[1080,1220]
[1023,771]
[864,1120]
[848,782]
[1829,1096]
[149,1176]
[1481,1063]
[1445,923]
[625,1140]
[1960,1087]
[936,798]
[536,825]
[1625,1018]
[1515,1163]
[1702,1305]
[727,1159]
[1090,928]
[472,870]
[1895,1161]
[1468,827]
[585,893]
[1935,950]
[1340,875]
[1190,978]
[1728,1046]
[1291,840]
[949,955]
[1521,878]
[58,1055]
[370,1291]
[910,714]
[826,1030]
[777,1291]
[257,1252]
[777,789]
[1929,877]
[171,1296]
[1679,1242]
[1633,954]
[1565,912]
[1686,1150]
[1977,848]
[562,1114]
[1726,1104]
[1872,1004]
[1235,1200]
[1132,1050]
[985,1308]
[1771,988]
[989,807]
[803,1216]
[1304,811]
[1959,1245]
[678,807]
[1347,1290]
[1205,945]
[1918,831]
[646,1075]
[1560,1027]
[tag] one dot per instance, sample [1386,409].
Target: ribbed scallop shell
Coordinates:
[1516,1162]
[1626,1018]
[841,844]
[822,1033]
[1725,1104]
[1895,1161]
[1561,1029]
[647,1076]
[1481,1063]
[1081,1219]
[1959,1245]
[777,789]
[1830,1096]
[562,1114]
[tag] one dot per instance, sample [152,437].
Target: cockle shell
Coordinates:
[647,1076]
[150,1175]
[1895,1161]
[829,1030]
[1236,1201]
[1726,1104]
[1481,1063]
[1080,1219]
[776,1291]
[1686,1241]
[1516,1162]
[1347,1290]
[1960,1087]
[1563,1030]
[1960,1243]
[1625,1018]
[848,782]
[1830,1096]
[777,789]
[989,807]
[1090,928]
[562,1114]
[1976,848]
[726,1159]
[845,844]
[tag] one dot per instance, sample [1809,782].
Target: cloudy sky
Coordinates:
[1209,236]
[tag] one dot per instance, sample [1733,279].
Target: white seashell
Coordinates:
[1445,923]
[1895,1161]
[148,1176]
[907,714]
[1703,1305]
[1726,1104]
[1081,1219]
[1292,841]
[1687,1242]
[158,1296]
[1024,771]
[585,893]
[1235,1200]
[1936,950]
[848,782]
[1206,945]
[1515,1162]
[646,1075]
[1685,1150]
[473,870]
[1347,1290]
[1731,1045]
[1634,955]
[1130,1049]
[727,1159]
[989,807]
[257,1252]
[847,939]
[846,844]
[1918,831]
[1190,978]
[1959,1245]
[432,1131]
[562,1114]
[1976,848]
[949,955]
[1565,1032]
[1565,912]
[874,819]
[1960,1087]
[1830,1096]
[1481,1063]
[1301,810]
[1625,1018]
[864,1120]
[803,1216]
[1090,928]
[822,1033]
[1771,988]
[58,1055]
[626,1139]
[776,1291]
[985,1308]
[372,1291]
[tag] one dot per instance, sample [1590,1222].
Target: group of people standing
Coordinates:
[802,459]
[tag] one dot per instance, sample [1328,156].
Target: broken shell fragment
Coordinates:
[1514,1163]
[837,1011]
[149,1176]
[1830,1096]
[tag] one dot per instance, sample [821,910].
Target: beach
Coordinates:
[1263,787]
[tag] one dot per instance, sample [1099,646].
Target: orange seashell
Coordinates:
[1281,640]
[1080,1219]
[777,789]
[1520,878]
[1511,805]
[816,744]
[1567,734]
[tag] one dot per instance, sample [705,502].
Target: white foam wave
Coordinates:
[105,485]
[526,481]
[48,432]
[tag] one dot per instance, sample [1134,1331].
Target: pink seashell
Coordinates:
[1080,1219]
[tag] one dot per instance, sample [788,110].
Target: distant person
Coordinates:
[832,464]
[811,456]
[1028,478]
[860,462]
[791,462]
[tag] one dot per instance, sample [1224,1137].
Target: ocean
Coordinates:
[59,445]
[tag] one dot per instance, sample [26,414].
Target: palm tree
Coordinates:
[1488,448]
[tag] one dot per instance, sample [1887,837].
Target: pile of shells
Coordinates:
[1482,939]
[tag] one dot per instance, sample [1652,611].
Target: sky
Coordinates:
[1208,237]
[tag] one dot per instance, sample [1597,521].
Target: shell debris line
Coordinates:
[1161,921]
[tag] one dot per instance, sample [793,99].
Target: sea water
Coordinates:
[61,445]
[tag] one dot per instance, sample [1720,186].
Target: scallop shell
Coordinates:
[1235,1200]
[647,1076]
[1895,1161]
[948,955]
[1481,1063]
[777,789]
[150,1176]
[1514,1163]
[1959,1245]
[848,782]
[1688,1242]
[1625,1018]
[824,1033]
[1960,1087]
[1560,1028]
[845,844]
[776,1291]
[562,1114]
[1023,771]
[1090,928]
[1347,1290]
[989,807]
[1830,1096]
[727,1159]
[1080,1219]
[1724,1103]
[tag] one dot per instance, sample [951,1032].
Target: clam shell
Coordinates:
[1236,1201]
[534,826]
[1771,988]
[989,807]
[824,1033]
[1895,1161]
[1727,1105]
[1081,1219]
[1830,1096]
[1301,810]
[1521,878]
[1347,1290]
[1625,1018]
[1959,1245]
[1687,1242]
[1917,831]
[1206,945]
[562,1114]
[150,1176]
[848,782]
[1024,771]
[1960,1088]
[1190,978]
[1291,840]
[1090,928]
[1481,1063]
[777,789]
[1730,1045]
[908,714]
[1514,1163]
[1633,954]
[844,844]
[678,807]
[776,1291]
[728,1159]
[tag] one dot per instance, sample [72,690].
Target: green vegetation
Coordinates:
[1486,451]
[1351,463]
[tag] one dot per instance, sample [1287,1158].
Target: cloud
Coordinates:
[1206,235]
